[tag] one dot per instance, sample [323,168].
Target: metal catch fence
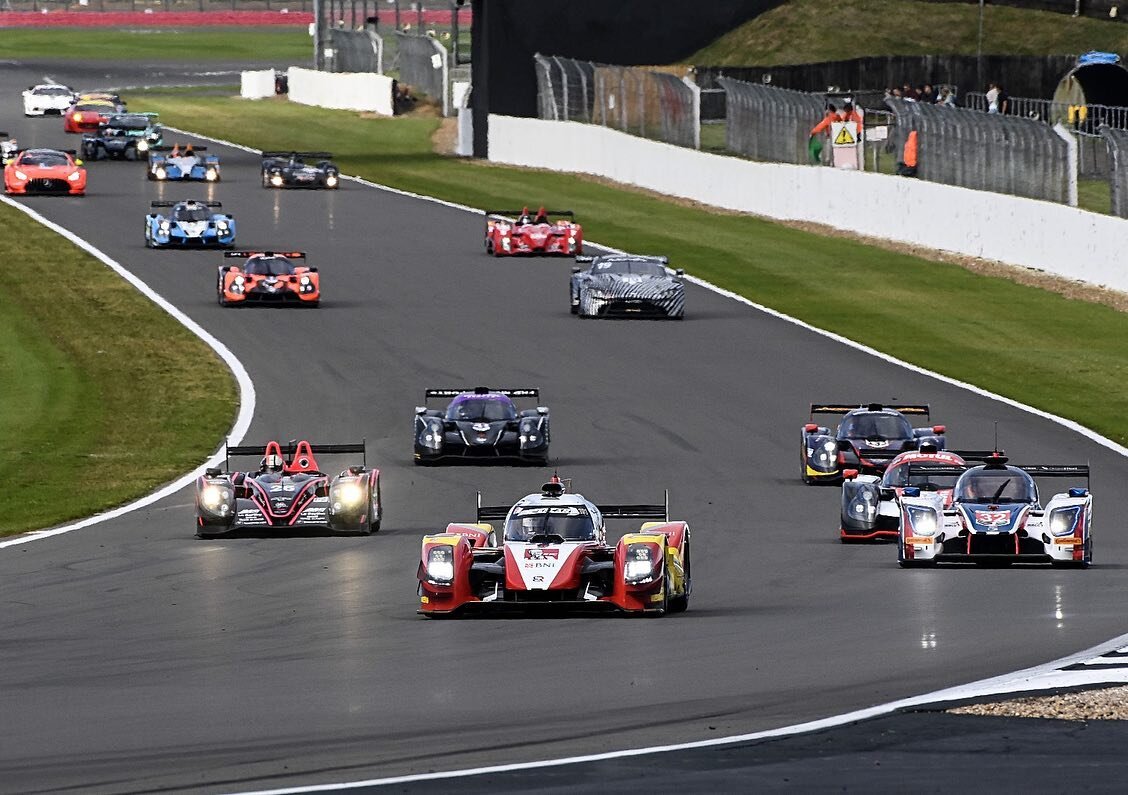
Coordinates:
[1117,141]
[987,151]
[643,102]
[424,64]
[769,123]
[354,51]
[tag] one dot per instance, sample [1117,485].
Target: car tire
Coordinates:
[265,180]
[490,246]
[573,303]
[679,604]
[377,515]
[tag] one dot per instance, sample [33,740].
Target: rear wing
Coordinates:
[182,147]
[71,152]
[291,447]
[1034,470]
[481,390]
[249,254]
[506,214]
[655,512]
[846,408]
[191,201]
[322,155]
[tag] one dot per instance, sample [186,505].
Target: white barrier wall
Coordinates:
[257,85]
[1063,240]
[341,90]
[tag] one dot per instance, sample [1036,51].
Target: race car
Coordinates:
[8,148]
[86,114]
[554,553]
[627,285]
[187,163]
[299,170]
[289,491]
[871,508]
[268,277]
[867,439]
[103,96]
[189,223]
[543,233]
[125,136]
[996,516]
[481,424]
[47,99]
[45,171]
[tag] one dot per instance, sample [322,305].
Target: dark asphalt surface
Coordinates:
[134,657]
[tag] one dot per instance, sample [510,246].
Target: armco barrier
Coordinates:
[341,90]
[1054,238]
[257,85]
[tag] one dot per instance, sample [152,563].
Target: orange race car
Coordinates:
[268,277]
[86,114]
[45,171]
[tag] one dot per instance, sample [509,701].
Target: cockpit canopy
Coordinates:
[996,485]
[875,425]
[482,408]
[899,476]
[269,266]
[567,522]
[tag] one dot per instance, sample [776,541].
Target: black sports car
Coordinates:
[126,136]
[289,491]
[867,439]
[481,423]
[299,170]
[627,285]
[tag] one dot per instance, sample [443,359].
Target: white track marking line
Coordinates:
[1039,677]
[246,386]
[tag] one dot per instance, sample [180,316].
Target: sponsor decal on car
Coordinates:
[992,518]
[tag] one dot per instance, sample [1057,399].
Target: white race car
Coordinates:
[47,99]
[996,517]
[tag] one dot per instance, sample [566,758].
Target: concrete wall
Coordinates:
[1063,240]
[257,85]
[341,90]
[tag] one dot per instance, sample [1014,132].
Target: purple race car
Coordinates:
[481,424]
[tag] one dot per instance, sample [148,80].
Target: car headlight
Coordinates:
[433,435]
[331,180]
[211,174]
[642,562]
[74,176]
[276,180]
[20,175]
[923,521]
[142,146]
[161,173]
[1063,521]
[440,564]
[78,117]
[347,495]
[221,226]
[864,504]
[212,496]
[505,244]
[164,227]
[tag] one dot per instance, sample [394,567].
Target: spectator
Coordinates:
[1003,100]
[992,98]
[850,113]
[908,92]
[927,94]
[946,98]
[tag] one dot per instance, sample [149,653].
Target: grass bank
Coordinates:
[103,396]
[1065,356]
[184,45]
[806,31]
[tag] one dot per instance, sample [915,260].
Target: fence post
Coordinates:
[695,90]
[1071,145]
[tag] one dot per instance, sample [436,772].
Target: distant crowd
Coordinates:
[925,92]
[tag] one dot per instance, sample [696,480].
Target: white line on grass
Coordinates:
[246,387]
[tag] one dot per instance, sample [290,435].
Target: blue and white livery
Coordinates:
[189,163]
[188,224]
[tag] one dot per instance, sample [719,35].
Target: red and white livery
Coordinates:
[553,552]
[545,232]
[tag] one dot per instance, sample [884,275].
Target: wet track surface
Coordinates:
[134,656]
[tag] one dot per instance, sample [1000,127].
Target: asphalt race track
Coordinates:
[135,657]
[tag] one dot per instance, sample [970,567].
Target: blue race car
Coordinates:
[191,224]
[182,163]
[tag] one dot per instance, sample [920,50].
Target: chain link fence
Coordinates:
[987,151]
[768,123]
[354,51]
[643,102]
[424,64]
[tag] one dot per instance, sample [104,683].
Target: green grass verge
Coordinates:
[282,44]
[1066,356]
[805,31]
[103,396]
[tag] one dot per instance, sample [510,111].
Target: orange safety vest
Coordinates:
[909,158]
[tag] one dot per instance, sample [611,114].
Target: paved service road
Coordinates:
[135,657]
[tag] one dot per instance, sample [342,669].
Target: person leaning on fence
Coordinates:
[907,167]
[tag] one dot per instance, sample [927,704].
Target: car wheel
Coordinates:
[574,303]
[489,246]
[265,180]
[679,604]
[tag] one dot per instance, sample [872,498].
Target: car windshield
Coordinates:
[637,267]
[874,425]
[482,409]
[920,476]
[269,266]
[52,91]
[996,485]
[129,122]
[191,213]
[43,159]
[568,522]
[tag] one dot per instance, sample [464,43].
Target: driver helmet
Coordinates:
[530,525]
[272,463]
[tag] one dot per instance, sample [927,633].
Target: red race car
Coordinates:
[546,232]
[45,171]
[268,277]
[553,553]
[86,114]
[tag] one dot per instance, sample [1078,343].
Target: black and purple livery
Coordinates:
[481,424]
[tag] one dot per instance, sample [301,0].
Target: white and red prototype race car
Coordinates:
[996,516]
[871,508]
[553,552]
[545,232]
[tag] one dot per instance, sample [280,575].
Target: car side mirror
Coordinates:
[575,270]
[213,472]
[911,491]
[420,410]
[542,410]
[939,428]
[810,427]
[242,491]
[78,161]
[849,474]
[679,272]
[844,445]
[889,494]
[322,490]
